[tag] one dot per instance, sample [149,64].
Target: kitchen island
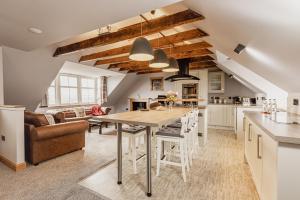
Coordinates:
[272,150]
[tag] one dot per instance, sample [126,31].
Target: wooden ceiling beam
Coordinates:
[159,71]
[202,58]
[184,51]
[163,42]
[192,64]
[133,31]
[136,64]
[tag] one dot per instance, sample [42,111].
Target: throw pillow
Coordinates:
[96,111]
[79,111]
[50,119]
[36,119]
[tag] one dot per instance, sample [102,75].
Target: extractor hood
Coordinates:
[183,73]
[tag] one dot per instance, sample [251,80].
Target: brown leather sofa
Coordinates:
[44,141]
[70,115]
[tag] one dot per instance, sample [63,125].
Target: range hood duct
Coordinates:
[183,73]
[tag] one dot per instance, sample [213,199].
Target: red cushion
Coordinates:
[96,111]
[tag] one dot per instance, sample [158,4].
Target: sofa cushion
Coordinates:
[57,130]
[36,119]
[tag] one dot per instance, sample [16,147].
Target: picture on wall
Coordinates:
[157,83]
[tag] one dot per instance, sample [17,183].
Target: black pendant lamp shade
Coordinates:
[141,50]
[173,66]
[160,59]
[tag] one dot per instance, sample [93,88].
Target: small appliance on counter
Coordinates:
[252,101]
[246,101]
[236,100]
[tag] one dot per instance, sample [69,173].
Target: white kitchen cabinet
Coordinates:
[269,169]
[216,82]
[239,119]
[221,116]
[274,165]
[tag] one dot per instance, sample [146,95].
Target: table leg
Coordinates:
[119,153]
[149,178]
[100,128]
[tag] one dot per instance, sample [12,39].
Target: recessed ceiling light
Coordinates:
[35,30]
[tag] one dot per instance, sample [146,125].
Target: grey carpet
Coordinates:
[57,179]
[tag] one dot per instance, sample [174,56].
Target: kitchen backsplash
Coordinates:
[293,103]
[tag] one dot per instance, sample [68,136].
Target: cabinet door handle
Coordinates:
[258,146]
[249,132]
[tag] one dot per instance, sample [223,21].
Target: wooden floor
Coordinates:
[218,172]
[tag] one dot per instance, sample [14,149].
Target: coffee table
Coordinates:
[96,122]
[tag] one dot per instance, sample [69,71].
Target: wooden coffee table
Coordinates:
[96,122]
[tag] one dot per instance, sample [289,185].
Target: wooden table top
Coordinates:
[152,118]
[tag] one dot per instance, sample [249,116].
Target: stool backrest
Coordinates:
[184,125]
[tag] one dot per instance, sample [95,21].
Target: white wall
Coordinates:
[113,82]
[12,127]
[27,75]
[293,108]
[140,87]
[1,77]
[249,77]
[234,88]
[135,86]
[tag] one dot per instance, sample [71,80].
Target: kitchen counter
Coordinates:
[235,105]
[280,132]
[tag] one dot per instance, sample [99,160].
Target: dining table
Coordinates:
[149,119]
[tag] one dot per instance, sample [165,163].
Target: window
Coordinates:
[68,89]
[52,94]
[88,90]
[73,89]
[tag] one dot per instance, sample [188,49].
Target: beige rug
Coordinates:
[58,178]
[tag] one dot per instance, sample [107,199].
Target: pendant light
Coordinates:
[173,66]
[141,49]
[160,58]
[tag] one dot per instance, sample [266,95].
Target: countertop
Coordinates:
[280,132]
[235,105]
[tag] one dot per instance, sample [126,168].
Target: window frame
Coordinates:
[79,90]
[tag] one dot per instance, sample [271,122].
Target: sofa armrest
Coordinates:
[56,130]
[107,110]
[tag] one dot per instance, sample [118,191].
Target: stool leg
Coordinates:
[129,147]
[186,154]
[182,159]
[133,147]
[158,150]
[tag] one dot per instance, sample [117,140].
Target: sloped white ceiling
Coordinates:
[269,28]
[63,19]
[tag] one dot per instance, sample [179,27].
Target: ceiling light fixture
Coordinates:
[35,30]
[173,66]
[141,49]
[160,59]
[239,48]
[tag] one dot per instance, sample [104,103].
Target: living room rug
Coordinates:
[57,179]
